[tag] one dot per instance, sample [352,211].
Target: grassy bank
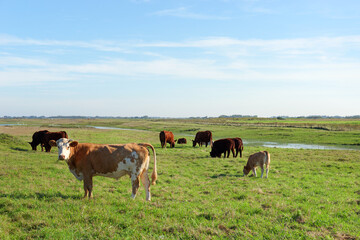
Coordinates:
[310,194]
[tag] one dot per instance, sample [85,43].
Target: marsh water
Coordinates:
[266,144]
[300,145]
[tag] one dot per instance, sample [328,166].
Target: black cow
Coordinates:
[203,137]
[38,138]
[181,141]
[223,146]
[53,136]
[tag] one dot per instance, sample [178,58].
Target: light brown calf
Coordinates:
[86,160]
[258,159]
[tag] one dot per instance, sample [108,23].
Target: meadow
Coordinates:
[310,194]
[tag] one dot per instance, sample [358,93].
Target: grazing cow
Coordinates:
[181,141]
[223,146]
[38,138]
[258,159]
[53,136]
[201,138]
[239,147]
[86,160]
[167,137]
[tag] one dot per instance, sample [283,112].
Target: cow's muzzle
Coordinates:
[61,157]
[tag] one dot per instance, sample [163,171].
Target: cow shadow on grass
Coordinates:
[226,175]
[20,149]
[39,196]
[44,196]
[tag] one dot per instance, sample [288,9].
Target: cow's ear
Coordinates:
[52,143]
[74,144]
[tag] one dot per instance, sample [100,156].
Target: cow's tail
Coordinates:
[154,173]
[241,147]
[267,159]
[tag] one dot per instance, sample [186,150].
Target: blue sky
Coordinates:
[179,58]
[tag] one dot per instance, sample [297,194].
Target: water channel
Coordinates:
[264,144]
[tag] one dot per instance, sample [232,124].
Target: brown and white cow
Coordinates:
[167,137]
[258,159]
[86,160]
[203,137]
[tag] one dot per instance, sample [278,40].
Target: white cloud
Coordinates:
[225,59]
[184,12]
[297,45]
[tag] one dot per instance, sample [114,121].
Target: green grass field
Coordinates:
[310,194]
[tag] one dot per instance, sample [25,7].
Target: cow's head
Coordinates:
[194,143]
[246,170]
[33,145]
[64,146]
[213,153]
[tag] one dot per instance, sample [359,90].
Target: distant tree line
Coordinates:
[147,117]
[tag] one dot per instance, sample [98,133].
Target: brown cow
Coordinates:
[53,136]
[38,138]
[239,147]
[258,159]
[181,141]
[201,138]
[167,137]
[86,160]
[223,146]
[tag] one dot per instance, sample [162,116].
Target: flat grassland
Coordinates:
[310,194]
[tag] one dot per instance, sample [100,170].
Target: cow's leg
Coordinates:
[146,182]
[236,153]
[135,184]
[228,153]
[47,148]
[262,171]
[233,152]
[267,170]
[254,171]
[88,185]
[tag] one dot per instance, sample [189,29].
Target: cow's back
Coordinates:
[181,141]
[262,157]
[222,145]
[205,136]
[105,159]
[53,136]
[38,136]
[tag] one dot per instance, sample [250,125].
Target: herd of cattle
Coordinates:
[235,145]
[86,160]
